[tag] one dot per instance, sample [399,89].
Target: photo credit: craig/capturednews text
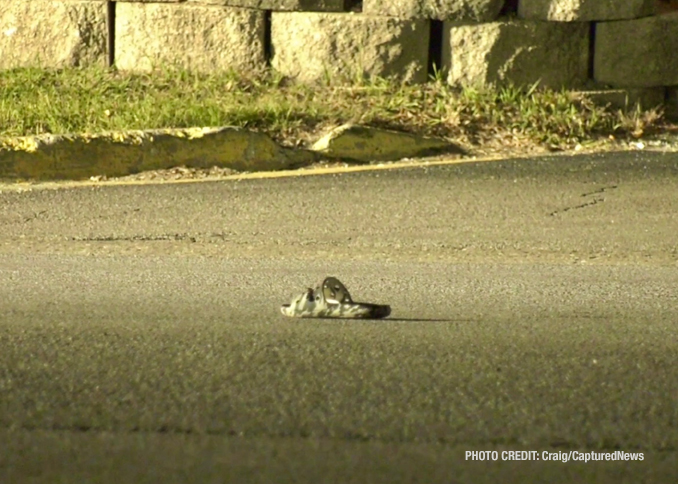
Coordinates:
[572,455]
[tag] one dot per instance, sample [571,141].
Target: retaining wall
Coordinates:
[583,44]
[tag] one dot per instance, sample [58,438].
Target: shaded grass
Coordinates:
[36,101]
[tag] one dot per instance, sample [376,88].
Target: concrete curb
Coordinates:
[365,144]
[121,153]
[58,157]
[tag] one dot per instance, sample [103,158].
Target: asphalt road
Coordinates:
[534,308]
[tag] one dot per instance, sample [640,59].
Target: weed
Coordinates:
[35,101]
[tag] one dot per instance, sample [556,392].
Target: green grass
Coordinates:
[34,101]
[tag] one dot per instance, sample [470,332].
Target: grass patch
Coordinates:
[36,101]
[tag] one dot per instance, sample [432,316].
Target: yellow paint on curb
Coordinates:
[116,154]
[334,170]
[122,153]
[420,163]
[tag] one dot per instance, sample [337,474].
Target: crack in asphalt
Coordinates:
[33,216]
[149,238]
[134,238]
[605,445]
[600,190]
[587,204]
[576,207]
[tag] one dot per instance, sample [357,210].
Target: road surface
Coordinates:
[534,309]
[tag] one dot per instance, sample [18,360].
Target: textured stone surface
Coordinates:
[469,10]
[304,5]
[202,38]
[585,10]
[360,143]
[519,52]
[312,46]
[52,33]
[626,99]
[637,53]
[121,153]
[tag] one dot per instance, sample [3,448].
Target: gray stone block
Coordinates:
[281,5]
[201,38]
[457,10]
[52,33]
[585,10]
[313,46]
[637,53]
[518,52]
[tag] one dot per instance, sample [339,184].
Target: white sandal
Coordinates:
[331,299]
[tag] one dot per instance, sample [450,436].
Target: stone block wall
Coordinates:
[582,44]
